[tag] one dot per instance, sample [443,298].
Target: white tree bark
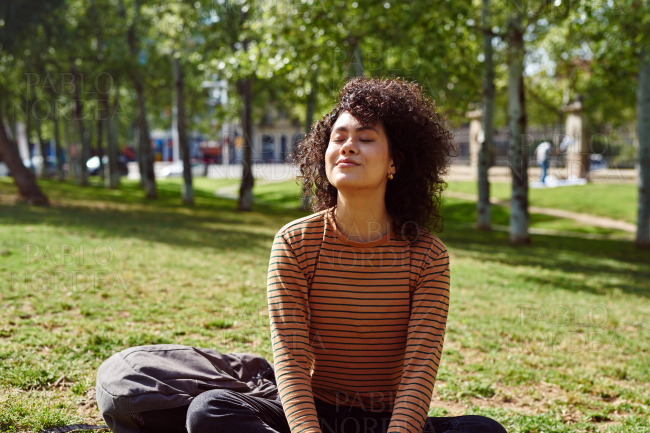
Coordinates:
[179,86]
[483,209]
[643,113]
[112,146]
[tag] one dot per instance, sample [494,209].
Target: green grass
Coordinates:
[612,200]
[548,337]
[286,195]
[458,211]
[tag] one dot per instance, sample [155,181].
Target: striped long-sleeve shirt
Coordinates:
[356,324]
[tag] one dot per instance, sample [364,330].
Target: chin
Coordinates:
[341,181]
[353,184]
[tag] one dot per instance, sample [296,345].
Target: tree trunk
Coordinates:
[145,141]
[309,119]
[100,141]
[188,193]
[356,58]
[44,173]
[112,148]
[57,145]
[23,178]
[517,135]
[70,149]
[146,157]
[311,101]
[101,123]
[83,136]
[28,138]
[245,87]
[643,114]
[483,208]
[139,154]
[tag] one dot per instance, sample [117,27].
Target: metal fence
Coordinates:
[610,147]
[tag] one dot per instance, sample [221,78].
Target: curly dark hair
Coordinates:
[418,139]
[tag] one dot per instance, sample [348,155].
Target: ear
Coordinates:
[395,156]
[392,168]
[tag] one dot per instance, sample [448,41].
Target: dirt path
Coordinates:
[593,220]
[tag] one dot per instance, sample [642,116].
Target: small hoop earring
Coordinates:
[390,176]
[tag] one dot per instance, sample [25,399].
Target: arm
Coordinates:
[426,332]
[289,314]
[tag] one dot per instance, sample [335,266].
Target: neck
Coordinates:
[362,217]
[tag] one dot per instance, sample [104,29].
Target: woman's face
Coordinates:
[357,156]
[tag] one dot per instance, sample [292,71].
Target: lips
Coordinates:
[344,162]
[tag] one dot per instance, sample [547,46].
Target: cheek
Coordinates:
[330,154]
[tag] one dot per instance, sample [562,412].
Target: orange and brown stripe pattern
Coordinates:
[356,324]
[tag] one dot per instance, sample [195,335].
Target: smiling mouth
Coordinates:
[346,163]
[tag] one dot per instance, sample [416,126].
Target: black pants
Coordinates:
[223,411]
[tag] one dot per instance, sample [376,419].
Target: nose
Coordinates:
[349,147]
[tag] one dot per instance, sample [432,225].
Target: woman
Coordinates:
[358,292]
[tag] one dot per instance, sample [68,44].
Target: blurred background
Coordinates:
[123,87]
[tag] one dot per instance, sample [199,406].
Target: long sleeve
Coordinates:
[287,292]
[425,337]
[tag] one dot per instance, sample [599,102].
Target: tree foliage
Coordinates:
[65,63]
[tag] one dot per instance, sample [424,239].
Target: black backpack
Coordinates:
[169,376]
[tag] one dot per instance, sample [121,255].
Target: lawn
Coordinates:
[551,337]
[606,199]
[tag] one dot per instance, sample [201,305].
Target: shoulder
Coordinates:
[430,260]
[308,226]
[427,241]
[428,250]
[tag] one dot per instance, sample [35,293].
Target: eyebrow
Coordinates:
[359,129]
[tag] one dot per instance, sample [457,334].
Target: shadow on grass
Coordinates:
[459,210]
[611,259]
[211,222]
[214,222]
